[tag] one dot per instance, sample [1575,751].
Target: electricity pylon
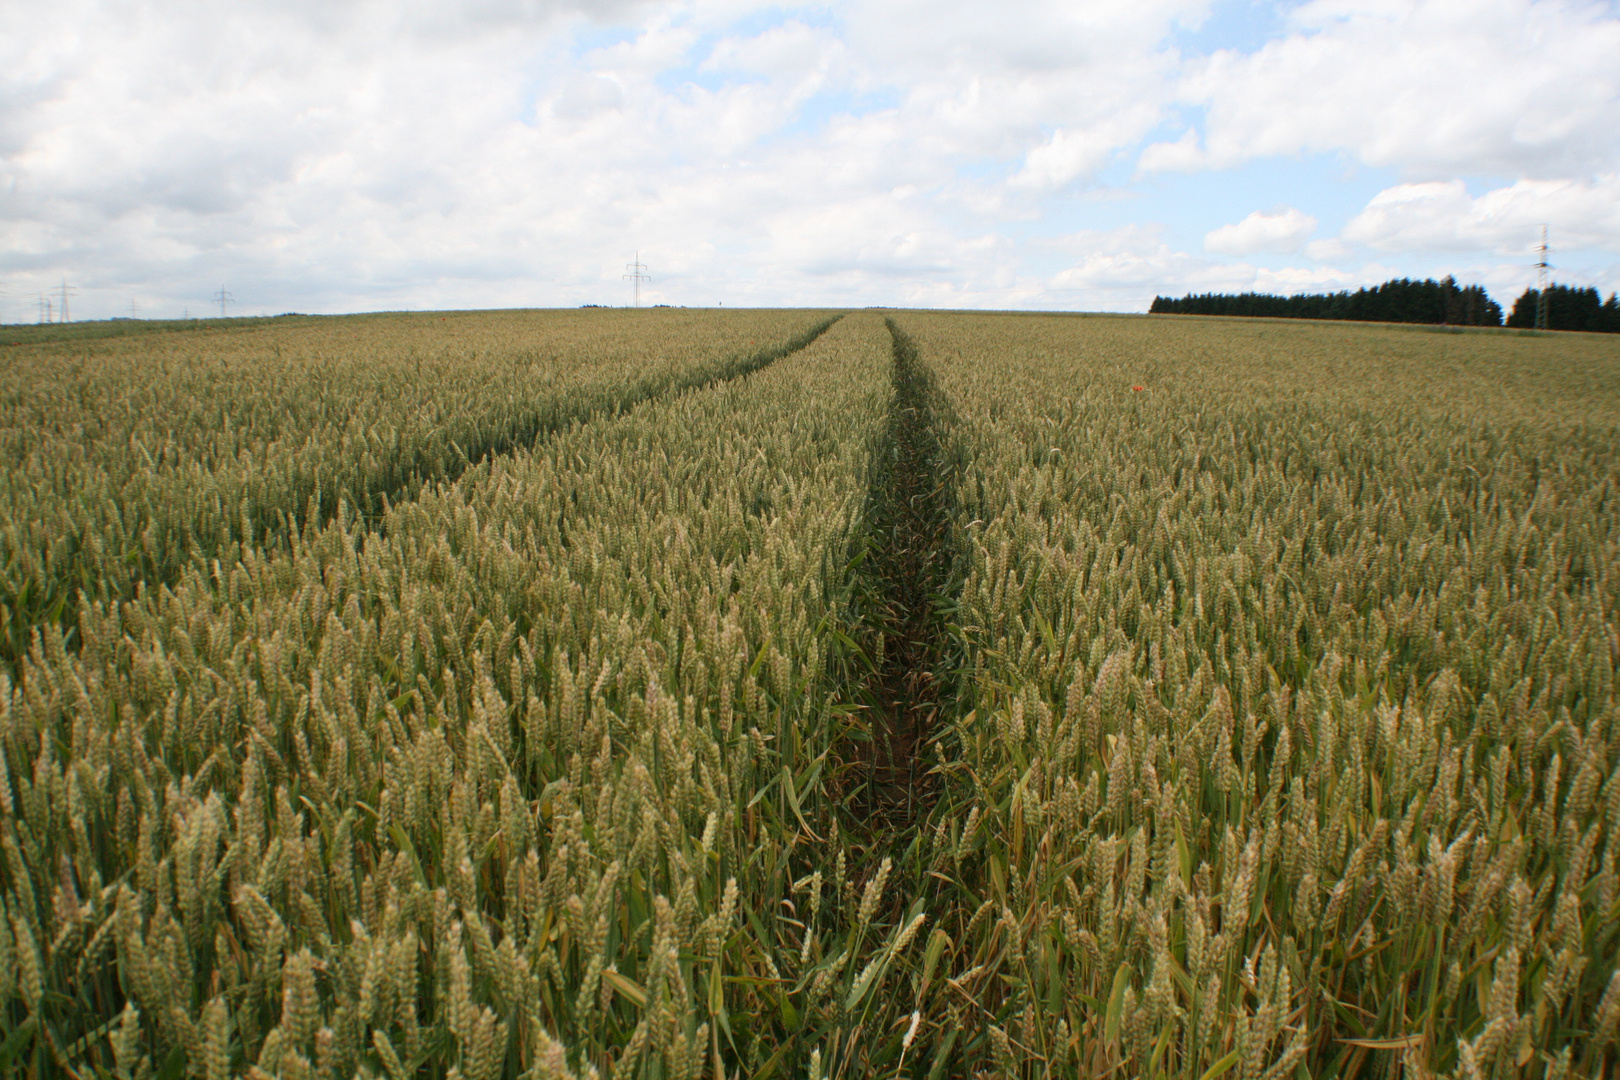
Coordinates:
[637,273]
[1542,266]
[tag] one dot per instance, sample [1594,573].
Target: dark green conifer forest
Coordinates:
[1569,308]
[1403,300]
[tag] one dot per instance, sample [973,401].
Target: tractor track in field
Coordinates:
[23,619]
[910,561]
[735,367]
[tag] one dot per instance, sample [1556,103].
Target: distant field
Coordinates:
[677,694]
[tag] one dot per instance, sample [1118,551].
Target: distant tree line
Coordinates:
[1408,301]
[1401,300]
[1569,308]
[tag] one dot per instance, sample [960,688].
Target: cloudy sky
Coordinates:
[343,155]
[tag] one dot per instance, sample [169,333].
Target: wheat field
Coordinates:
[678,694]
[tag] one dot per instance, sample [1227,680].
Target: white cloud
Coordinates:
[1124,269]
[792,50]
[1328,251]
[1429,87]
[1444,217]
[1289,280]
[1183,155]
[1281,232]
[586,96]
[1074,154]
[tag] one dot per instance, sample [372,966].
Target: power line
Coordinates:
[222,298]
[637,274]
[1542,266]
